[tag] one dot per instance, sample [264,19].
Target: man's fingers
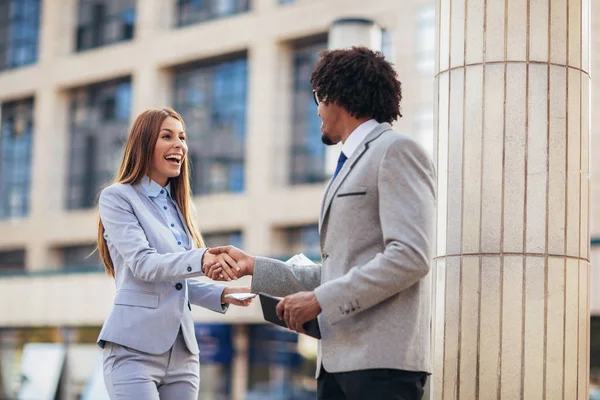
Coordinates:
[287,317]
[279,310]
[227,271]
[300,327]
[231,262]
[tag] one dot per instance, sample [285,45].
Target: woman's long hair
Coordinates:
[136,165]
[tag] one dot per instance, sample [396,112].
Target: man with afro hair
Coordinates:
[371,293]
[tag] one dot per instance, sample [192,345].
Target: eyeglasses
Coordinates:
[315,97]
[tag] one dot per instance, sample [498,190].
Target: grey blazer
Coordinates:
[376,229]
[151,271]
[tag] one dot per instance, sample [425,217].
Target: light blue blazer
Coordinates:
[151,275]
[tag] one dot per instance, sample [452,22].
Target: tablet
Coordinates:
[269,303]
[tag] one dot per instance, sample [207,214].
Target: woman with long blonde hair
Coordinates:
[148,242]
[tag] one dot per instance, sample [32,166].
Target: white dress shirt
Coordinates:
[357,136]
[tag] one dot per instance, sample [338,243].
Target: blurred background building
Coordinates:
[73,76]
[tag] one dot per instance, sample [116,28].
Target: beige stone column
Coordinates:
[511,308]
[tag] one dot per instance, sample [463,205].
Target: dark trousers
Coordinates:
[379,384]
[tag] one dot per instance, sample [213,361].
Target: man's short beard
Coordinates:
[326,140]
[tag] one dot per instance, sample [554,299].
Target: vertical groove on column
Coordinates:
[501,289]
[523,331]
[452,328]
[478,368]
[581,77]
[565,311]
[579,362]
[566,225]
[448,94]
[477,364]
[456,379]
[459,336]
[462,202]
[524,294]
[500,324]
[547,231]
[438,373]
[502,190]
[445,330]
[440,318]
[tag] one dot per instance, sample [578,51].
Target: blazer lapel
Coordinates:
[334,184]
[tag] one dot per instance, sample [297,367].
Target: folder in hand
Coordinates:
[269,303]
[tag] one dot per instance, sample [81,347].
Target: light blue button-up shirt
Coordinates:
[163,200]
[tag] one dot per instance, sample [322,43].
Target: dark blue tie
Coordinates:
[341,160]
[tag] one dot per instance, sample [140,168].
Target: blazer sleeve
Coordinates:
[207,295]
[279,279]
[407,201]
[123,231]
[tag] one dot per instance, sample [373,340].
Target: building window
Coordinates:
[424,129]
[99,120]
[211,98]
[12,260]
[307,150]
[214,239]
[15,162]
[103,22]
[81,256]
[304,239]
[19,32]
[425,54]
[194,11]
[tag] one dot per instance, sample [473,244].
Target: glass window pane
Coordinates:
[99,123]
[16,138]
[104,22]
[211,98]
[12,259]
[303,239]
[81,256]
[194,11]
[19,32]
[307,152]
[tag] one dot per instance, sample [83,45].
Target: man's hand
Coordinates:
[241,264]
[229,300]
[218,262]
[297,309]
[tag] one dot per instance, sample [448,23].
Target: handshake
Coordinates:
[227,263]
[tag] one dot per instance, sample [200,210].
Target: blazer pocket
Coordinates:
[126,297]
[355,191]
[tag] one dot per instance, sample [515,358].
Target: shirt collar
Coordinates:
[357,136]
[152,188]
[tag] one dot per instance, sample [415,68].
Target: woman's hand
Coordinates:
[219,266]
[230,300]
[219,271]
